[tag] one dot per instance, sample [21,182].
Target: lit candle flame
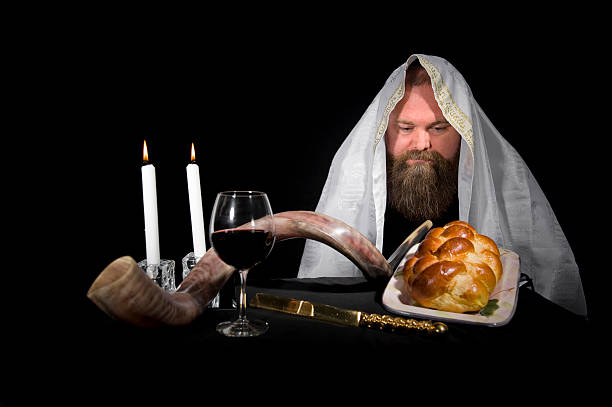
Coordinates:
[192,152]
[145,152]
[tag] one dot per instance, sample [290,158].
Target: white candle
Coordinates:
[195,205]
[149,199]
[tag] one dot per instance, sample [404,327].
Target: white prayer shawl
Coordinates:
[497,193]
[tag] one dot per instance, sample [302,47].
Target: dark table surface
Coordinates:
[96,352]
[536,321]
[537,324]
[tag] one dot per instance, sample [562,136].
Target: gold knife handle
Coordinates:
[398,323]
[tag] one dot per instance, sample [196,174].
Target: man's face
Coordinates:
[417,123]
[422,157]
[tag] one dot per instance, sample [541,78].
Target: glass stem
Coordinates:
[243,296]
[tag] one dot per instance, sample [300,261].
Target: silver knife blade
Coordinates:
[415,237]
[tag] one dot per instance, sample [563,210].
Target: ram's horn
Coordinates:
[125,292]
[336,234]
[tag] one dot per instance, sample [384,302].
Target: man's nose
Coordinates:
[421,141]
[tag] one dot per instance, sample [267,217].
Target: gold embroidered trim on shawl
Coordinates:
[382,127]
[457,118]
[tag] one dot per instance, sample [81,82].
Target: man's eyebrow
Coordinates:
[443,121]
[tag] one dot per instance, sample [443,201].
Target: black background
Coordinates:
[267,105]
[267,101]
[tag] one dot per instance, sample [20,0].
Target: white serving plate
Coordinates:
[396,300]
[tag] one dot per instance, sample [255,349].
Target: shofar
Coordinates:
[125,292]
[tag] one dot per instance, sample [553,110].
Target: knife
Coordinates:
[412,239]
[341,316]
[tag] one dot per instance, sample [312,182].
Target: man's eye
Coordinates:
[440,128]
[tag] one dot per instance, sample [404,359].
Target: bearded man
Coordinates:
[422,161]
[443,160]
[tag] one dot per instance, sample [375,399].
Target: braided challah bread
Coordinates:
[454,269]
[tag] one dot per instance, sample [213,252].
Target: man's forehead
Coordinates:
[418,103]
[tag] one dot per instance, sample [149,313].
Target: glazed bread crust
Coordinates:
[454,269]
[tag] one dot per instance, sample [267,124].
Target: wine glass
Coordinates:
[242,232]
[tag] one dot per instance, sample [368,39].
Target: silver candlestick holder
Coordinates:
[162,273]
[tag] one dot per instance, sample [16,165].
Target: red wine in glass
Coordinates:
[242,248]
[242,232]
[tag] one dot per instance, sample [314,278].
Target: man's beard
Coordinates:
[423,190]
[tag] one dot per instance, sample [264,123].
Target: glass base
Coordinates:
[189,262]
[241,328]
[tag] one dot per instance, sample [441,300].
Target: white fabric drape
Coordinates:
[498,195]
